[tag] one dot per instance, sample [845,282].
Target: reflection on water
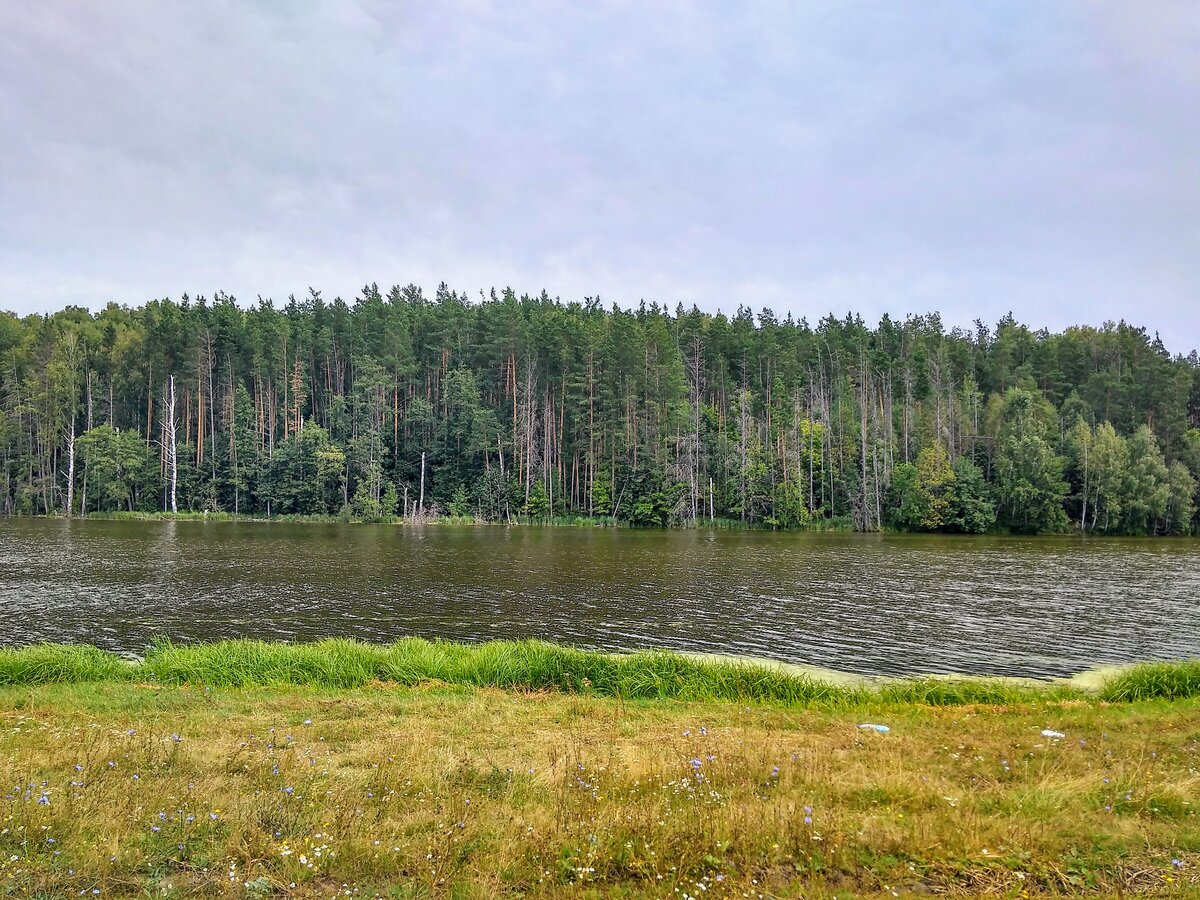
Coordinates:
[859,603]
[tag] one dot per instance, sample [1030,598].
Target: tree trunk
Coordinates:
[421,502]
[71,470]
[171,445]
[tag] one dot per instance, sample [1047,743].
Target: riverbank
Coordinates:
[177,778]
[840,524]
[543,666]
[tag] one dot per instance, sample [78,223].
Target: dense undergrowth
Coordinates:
[541,666]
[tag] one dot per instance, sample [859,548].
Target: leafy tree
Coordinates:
[1148,490]
[972,509]
[1181,500]
[119,471]
[935,479]
[1029,474]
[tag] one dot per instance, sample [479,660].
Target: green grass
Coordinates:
[61,664]
[541,666]
[1154,681]
[516,665]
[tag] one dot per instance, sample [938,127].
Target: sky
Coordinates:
[810,157]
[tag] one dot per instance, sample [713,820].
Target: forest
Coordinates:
[528,408]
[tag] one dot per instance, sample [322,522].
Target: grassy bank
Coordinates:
[541,666]
[425,769]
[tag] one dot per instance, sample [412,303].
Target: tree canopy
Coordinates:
[530,406]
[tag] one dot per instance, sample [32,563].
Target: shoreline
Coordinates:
[525,666]
[585,523]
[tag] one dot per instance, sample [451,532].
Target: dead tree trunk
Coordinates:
[173,456]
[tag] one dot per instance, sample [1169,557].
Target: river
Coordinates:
[872,604]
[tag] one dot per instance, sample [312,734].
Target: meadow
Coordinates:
[425,769]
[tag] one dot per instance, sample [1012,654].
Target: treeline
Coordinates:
[514,407]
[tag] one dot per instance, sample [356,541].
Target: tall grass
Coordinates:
[542,666]
[1154,681]
[516,665]
[61,663]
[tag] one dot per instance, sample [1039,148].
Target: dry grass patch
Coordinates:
[437,791]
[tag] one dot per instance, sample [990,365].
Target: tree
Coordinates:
[1029,474]
[935,479]
[1148,490]
[1109,478]
[1181,500]
[972,510]
[120,469]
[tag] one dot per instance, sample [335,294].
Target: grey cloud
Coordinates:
[968,158]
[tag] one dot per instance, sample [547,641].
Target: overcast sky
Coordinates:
[901,157]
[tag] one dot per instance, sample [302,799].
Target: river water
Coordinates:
[859,603]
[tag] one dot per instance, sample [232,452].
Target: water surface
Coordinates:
[859,603]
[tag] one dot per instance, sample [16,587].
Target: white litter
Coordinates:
[882,729]
[1046,732]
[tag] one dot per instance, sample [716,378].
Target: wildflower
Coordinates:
[696,764]
[175,737]
[1177,863]
[44,800]
[289,790]
[775,771]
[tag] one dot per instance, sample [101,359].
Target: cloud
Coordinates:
[869,156]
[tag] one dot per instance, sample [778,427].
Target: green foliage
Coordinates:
[972,509]
[1147,490]
[118,471]
[524,406]
[307,474]
[935,495]
[1029,474]
[1181,500]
